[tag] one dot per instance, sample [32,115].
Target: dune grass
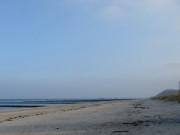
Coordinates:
[170,97]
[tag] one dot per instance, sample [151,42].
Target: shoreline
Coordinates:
[131,117]
[31,103]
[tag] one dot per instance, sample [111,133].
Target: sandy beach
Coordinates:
[131,117]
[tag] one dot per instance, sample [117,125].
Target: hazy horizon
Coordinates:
[88,48]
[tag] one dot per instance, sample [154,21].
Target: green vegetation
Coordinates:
[170,97]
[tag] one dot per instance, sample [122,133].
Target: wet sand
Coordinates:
[131,117]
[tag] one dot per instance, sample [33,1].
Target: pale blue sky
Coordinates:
[88,48]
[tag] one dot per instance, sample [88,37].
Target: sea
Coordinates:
[11,104]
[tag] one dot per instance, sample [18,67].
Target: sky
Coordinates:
[88,48]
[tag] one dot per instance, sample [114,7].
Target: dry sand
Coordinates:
[133,117]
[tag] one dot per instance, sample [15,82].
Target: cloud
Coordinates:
[155,6]
[140,6]
[154,14]
[162,14]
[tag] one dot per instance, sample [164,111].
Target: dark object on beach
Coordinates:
[132,123]
[140,107]
[137,123]
[120,131]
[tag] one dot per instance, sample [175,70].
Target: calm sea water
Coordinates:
[8,104]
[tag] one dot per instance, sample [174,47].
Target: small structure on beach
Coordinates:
[179,88]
